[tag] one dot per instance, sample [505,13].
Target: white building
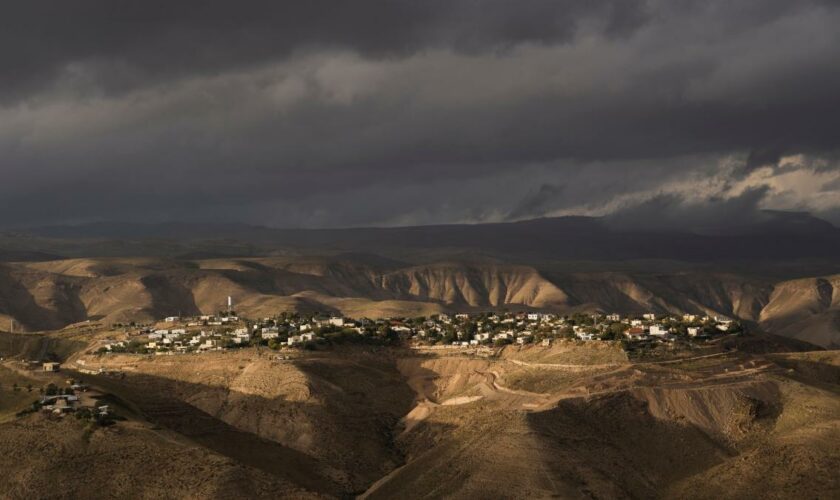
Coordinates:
[658,330]
[722,319]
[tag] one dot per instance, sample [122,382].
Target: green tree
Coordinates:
[469,331]
[614,332]
[735,327]
[567,332]
[448,335]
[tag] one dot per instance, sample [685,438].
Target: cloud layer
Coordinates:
[311,114]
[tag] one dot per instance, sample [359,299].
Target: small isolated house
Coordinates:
[51,366]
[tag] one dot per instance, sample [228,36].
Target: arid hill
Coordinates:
[61,459]
[52,294]
[574,420]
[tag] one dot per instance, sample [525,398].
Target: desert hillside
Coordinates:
[64,460]
[807,309]
[52,294]
[574,420]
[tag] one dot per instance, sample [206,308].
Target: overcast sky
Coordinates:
[325,113]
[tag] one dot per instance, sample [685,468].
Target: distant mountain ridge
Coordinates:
[774,236]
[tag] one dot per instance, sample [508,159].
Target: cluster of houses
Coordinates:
[56,401]
[525,328]
[64,404]
[671,327]
[209,333]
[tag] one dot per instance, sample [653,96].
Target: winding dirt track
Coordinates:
[613,365]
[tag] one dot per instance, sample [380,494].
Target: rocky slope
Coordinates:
[63,459]
[644,431]
[806,309]
[574,420]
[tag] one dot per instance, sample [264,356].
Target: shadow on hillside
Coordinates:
[37,346]
[345,429]
[148,396]
[18,302]
[820,375]
[612,447]
[169,297]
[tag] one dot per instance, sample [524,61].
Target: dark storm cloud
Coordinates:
[762,158]
[395,112]
[543,200]
[670,212]
[127,43]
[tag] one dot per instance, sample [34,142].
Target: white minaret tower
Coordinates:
[230,303]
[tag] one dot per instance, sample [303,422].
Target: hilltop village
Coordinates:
[294,330]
